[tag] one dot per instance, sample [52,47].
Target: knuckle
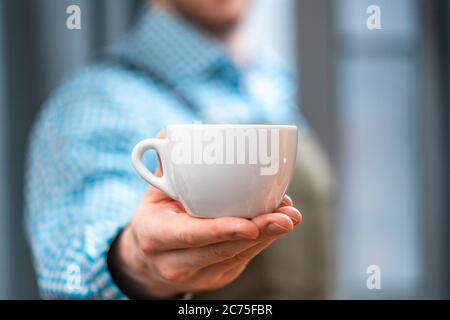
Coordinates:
[216,229]
[221,253]
[186,238]
[143,238]
[145,243]
[234,229]
[171,274]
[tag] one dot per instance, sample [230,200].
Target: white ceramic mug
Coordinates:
[223,170]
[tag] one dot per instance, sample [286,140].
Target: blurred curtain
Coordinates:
[4,213]
[36,51]
[443,10]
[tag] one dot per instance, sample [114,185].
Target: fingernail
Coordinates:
[295,219]
[274,229]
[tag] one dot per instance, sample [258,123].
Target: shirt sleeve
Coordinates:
[81,190]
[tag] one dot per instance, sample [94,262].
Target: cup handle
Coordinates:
[160,146]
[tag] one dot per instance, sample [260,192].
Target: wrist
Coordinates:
[122,264]
[130,272]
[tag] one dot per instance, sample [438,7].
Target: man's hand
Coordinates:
[164,251]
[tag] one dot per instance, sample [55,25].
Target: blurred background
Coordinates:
[378,100]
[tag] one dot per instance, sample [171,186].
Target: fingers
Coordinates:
[168,227]
[273,224]
[278,220]
[292,213]
[216,271]
[286,201]
[169,230]
[286,207]
[193,259]
[199,257]
[231,274]
[185,259]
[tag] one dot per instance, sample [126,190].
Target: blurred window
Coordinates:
[379,195]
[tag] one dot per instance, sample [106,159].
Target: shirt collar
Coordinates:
[171,47]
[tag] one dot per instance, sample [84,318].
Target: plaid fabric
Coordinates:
[81,188]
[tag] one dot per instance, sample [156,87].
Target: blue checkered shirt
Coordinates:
[81,188]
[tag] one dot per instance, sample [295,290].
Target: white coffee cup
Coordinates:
[223,170]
